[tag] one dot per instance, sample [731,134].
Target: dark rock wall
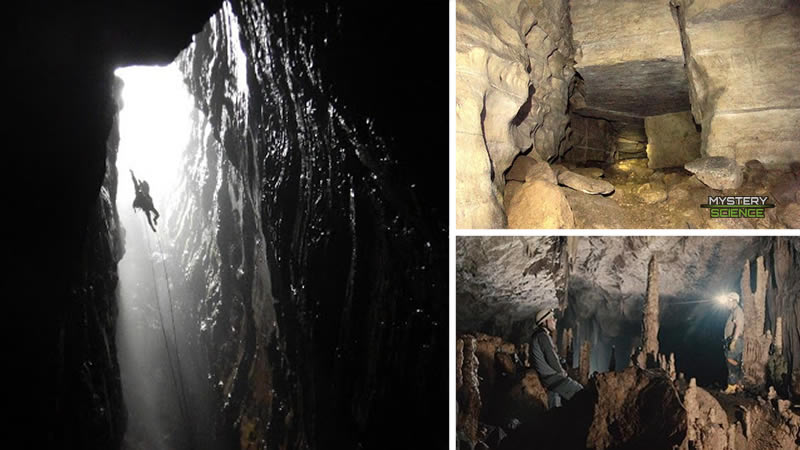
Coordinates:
[88,373]
[320,275]
[64,242]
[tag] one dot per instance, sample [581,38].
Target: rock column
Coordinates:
[756,342]
[469,396]
[650,319]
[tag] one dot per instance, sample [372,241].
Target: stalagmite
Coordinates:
[650,318]
[732,436]
[459,361]
[566,342]
[692,410]
[756,342]
[469,397]
[671,366]
[525,354]
[778,338]
[586,353]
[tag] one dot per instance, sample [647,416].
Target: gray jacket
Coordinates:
[735,324]
[545,359]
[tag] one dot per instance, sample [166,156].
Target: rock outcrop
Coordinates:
[513,72]
[608,414]
[741,59]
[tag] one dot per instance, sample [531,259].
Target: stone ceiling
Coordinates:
[502,281]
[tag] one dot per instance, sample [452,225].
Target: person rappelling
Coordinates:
[144,201]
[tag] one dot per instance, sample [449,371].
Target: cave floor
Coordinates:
[671,198]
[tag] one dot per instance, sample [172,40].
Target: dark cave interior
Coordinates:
[68,393]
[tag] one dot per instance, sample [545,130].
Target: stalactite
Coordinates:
[650,317]
[756,342]
[586,354]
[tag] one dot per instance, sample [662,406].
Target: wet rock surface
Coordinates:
[300,238]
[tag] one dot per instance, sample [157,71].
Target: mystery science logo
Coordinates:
[731,207]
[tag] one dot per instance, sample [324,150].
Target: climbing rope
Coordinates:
[177,381]
[172,319]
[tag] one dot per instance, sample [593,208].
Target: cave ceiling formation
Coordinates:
[629,54]
[502,281]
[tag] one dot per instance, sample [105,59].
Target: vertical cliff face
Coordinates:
[319,279]
[88,373]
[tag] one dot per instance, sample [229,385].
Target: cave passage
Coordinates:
[161,375]
[667,306]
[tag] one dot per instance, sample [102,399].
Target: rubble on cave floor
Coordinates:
[641,197]
[631,408]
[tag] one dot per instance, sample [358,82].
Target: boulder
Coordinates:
[539,204]
[591,172]
[673,140]
[584,184]
[717,172]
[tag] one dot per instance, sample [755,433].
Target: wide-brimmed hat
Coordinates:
[542,315]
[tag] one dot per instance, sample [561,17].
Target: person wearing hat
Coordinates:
[547,364]
[734,344]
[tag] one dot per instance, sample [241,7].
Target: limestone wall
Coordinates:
[742,59]
[672,139]
[513,70]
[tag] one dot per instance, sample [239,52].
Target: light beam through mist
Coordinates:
[154,126]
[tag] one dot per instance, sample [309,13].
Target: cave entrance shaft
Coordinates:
[159,369]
